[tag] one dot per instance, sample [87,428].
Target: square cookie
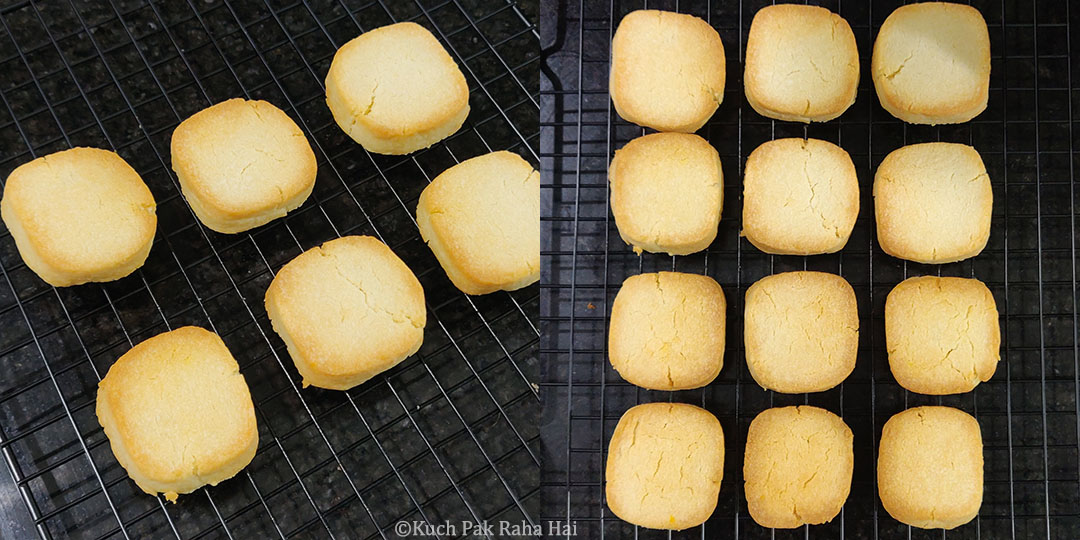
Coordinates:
[667,192]
[396,90]
[930,467]
[347,310]
[800,197]
[178,413]
[942,334]
[664,466]
[931,63]
[932,202]
[79,215]
[801,331]
[797,467]
[667,70]
[667,330]
[241,164]
[802,64]
[481,218]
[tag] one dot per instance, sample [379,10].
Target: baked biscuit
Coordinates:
[396,90]
[667,191]
[177,412]
[932,202]
[931,63]
[242,163]
[667,330]
[930,467]
[664,466]
[800,197]
[801,331]
[667,70]
[797,467]
[802,64]
[79,215]
[942,334]
[481,218]
[347,310]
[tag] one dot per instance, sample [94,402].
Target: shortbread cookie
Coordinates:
[667,330]
[667,191]
[797,466]
[933,202]
[801,331]
[664,466]
[481,218]
[930,467]
[931,63]
[347,310]
[800,197]
[241,164]
[396,90]
[801,63]
[942,334]
[177,412]
[667,70]
[79,215]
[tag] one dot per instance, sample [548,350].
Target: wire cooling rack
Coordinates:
[1028,411]
[450,434]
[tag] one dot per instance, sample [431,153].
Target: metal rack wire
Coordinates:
[1029,412]
[448,435]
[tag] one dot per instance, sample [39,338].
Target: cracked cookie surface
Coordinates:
[668,330]
[347,310]
[942,334]
[931,63]
[800,197]
[802,64]
[930,467]
[664,466]
[667,193]
[242,163]
[667,70]
[178,413]
[79,215]
[801,331]
[481,219]
[797,467]
[933,203]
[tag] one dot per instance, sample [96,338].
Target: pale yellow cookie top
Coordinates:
[82,210]
[797,466]
[179,404]
[667,70]
[485,212]
[667,192]
[931,63]
[242,157]
[800,197]
[801,331]
[802,63]
[930,467]
[668,330]
[942,334]
[664,467]
[933,203]
[348,305]
[398,80]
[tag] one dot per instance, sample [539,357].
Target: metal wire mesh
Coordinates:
[447,435]
[1028,411]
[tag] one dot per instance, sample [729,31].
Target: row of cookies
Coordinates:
[801,332]
[665,466]
[175,407]
[930,65]
[932,201]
